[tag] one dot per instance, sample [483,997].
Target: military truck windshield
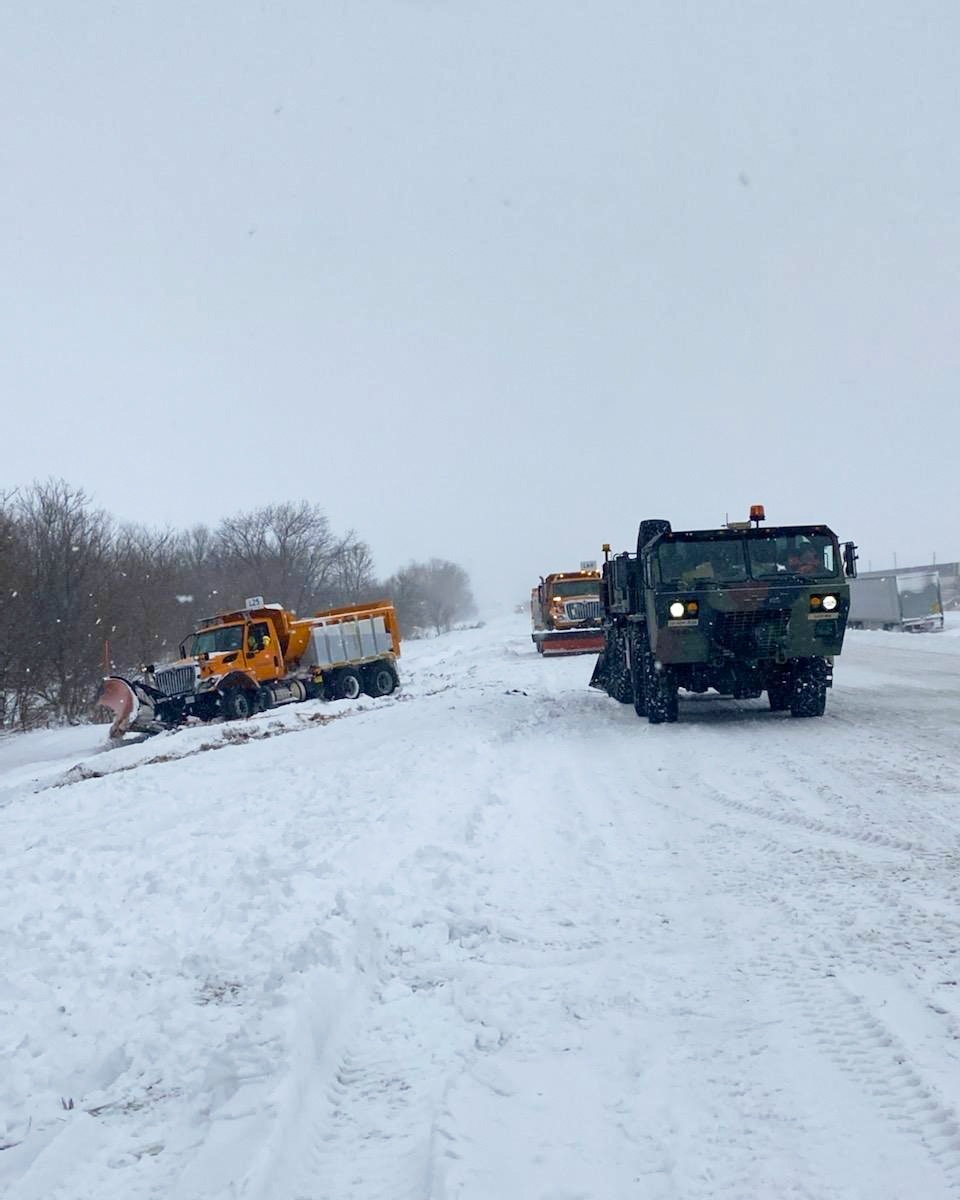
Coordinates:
[575,587]
[691,563]
[217,640]
[809,556]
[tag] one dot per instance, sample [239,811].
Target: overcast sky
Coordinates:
[487,281]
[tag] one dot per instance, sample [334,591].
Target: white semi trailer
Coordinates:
[909,602]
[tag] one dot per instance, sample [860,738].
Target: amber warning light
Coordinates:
[757,514]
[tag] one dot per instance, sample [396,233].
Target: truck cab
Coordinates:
[250,642]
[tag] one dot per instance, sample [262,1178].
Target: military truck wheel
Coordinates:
[639,695]
[663,704]
[238,703]
[663,708]
[638,680]
[620,686]
[379,679]
[347,686]
[808,696]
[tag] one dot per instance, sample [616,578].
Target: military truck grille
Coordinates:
[582,610]
[176,680]
[760,631]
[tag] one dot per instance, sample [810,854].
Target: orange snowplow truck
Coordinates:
[252,659]
[565,608]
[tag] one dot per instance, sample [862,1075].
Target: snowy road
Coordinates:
[495,938]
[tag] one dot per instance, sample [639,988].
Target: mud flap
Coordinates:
[599,677]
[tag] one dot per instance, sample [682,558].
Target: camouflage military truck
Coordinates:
[741,609]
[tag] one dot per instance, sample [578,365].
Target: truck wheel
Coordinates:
[379,679]
[618,673]
[347,686]
[661,691]
[638,680]
[808,696]
[237,704]
[639,695]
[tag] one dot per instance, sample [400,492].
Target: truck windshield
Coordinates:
[575,587]
[217,640]
[702,562]
[810,556]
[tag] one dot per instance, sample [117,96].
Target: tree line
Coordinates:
[84,596]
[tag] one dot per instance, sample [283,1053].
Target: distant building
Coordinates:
[949,579]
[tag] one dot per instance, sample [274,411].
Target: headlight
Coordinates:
[829,603]
[676,609]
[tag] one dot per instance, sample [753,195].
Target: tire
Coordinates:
[637,679]
[264,700]
[663,705]
[808,696]
[347,684]
[618,673]
[379,679]
[238,703]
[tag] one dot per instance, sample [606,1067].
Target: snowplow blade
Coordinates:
[119,697]
[131,704]
[577,641]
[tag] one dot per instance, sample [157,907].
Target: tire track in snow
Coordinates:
[832,1017]
[870,1053]
[374,1103]
[799,820]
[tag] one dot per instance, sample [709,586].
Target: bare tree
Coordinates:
[14,612]
[148,595]
[284,552]
[434,594]
[67,543]
[351,579]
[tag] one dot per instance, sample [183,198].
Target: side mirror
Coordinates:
[850,560]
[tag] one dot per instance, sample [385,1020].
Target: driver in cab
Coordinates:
[804,560]
[259,639]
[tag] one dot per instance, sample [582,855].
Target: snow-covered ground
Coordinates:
[494,938]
